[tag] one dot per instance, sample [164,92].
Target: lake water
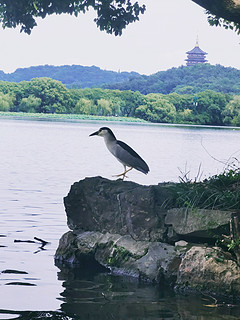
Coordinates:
[38,163]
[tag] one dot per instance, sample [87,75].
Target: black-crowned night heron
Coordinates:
[125,154]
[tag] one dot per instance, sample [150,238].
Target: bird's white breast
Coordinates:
[113,147]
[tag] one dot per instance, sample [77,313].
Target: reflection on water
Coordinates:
[39,161]
[88,294]
[104,296]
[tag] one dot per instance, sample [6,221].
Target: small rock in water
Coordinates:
[181,243]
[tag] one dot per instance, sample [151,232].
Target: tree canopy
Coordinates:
[185,80]
[224,13]
[112,15]
[45,95]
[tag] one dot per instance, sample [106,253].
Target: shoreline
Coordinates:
[65,117]
[90,118]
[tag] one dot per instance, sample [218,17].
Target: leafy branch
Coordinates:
[112,15]
[214,20]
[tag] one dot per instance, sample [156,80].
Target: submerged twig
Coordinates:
[26,241]
[42,242]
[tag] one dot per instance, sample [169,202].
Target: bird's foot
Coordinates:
[121,175]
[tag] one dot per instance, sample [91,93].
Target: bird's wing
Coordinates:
[129,157]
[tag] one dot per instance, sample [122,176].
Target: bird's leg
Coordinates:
[124,173]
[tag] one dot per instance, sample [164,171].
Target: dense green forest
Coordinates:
[72,76]
[45,95]
[183,80]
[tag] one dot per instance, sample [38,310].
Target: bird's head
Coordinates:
[104,132]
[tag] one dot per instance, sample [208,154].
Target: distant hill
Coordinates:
[75,75]
[182,80]
[185,79]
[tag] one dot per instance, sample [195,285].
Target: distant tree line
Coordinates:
[45,95]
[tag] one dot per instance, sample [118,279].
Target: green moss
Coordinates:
[119,256]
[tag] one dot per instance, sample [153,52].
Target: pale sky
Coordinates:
[159,41]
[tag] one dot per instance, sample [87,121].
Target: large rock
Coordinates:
[197,223]
[200,268]
[130,229]
[150,261]
[210,270]
[126,208]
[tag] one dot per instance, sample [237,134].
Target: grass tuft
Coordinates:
[221,192]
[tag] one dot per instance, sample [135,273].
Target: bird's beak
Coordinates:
[94,134]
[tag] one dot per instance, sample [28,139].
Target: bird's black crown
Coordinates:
[109,130]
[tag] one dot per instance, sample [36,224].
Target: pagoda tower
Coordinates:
[196,55]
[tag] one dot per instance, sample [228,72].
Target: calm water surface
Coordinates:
[38,163]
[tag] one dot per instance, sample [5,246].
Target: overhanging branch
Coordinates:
[226,9]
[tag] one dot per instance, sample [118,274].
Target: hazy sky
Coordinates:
[157,42]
